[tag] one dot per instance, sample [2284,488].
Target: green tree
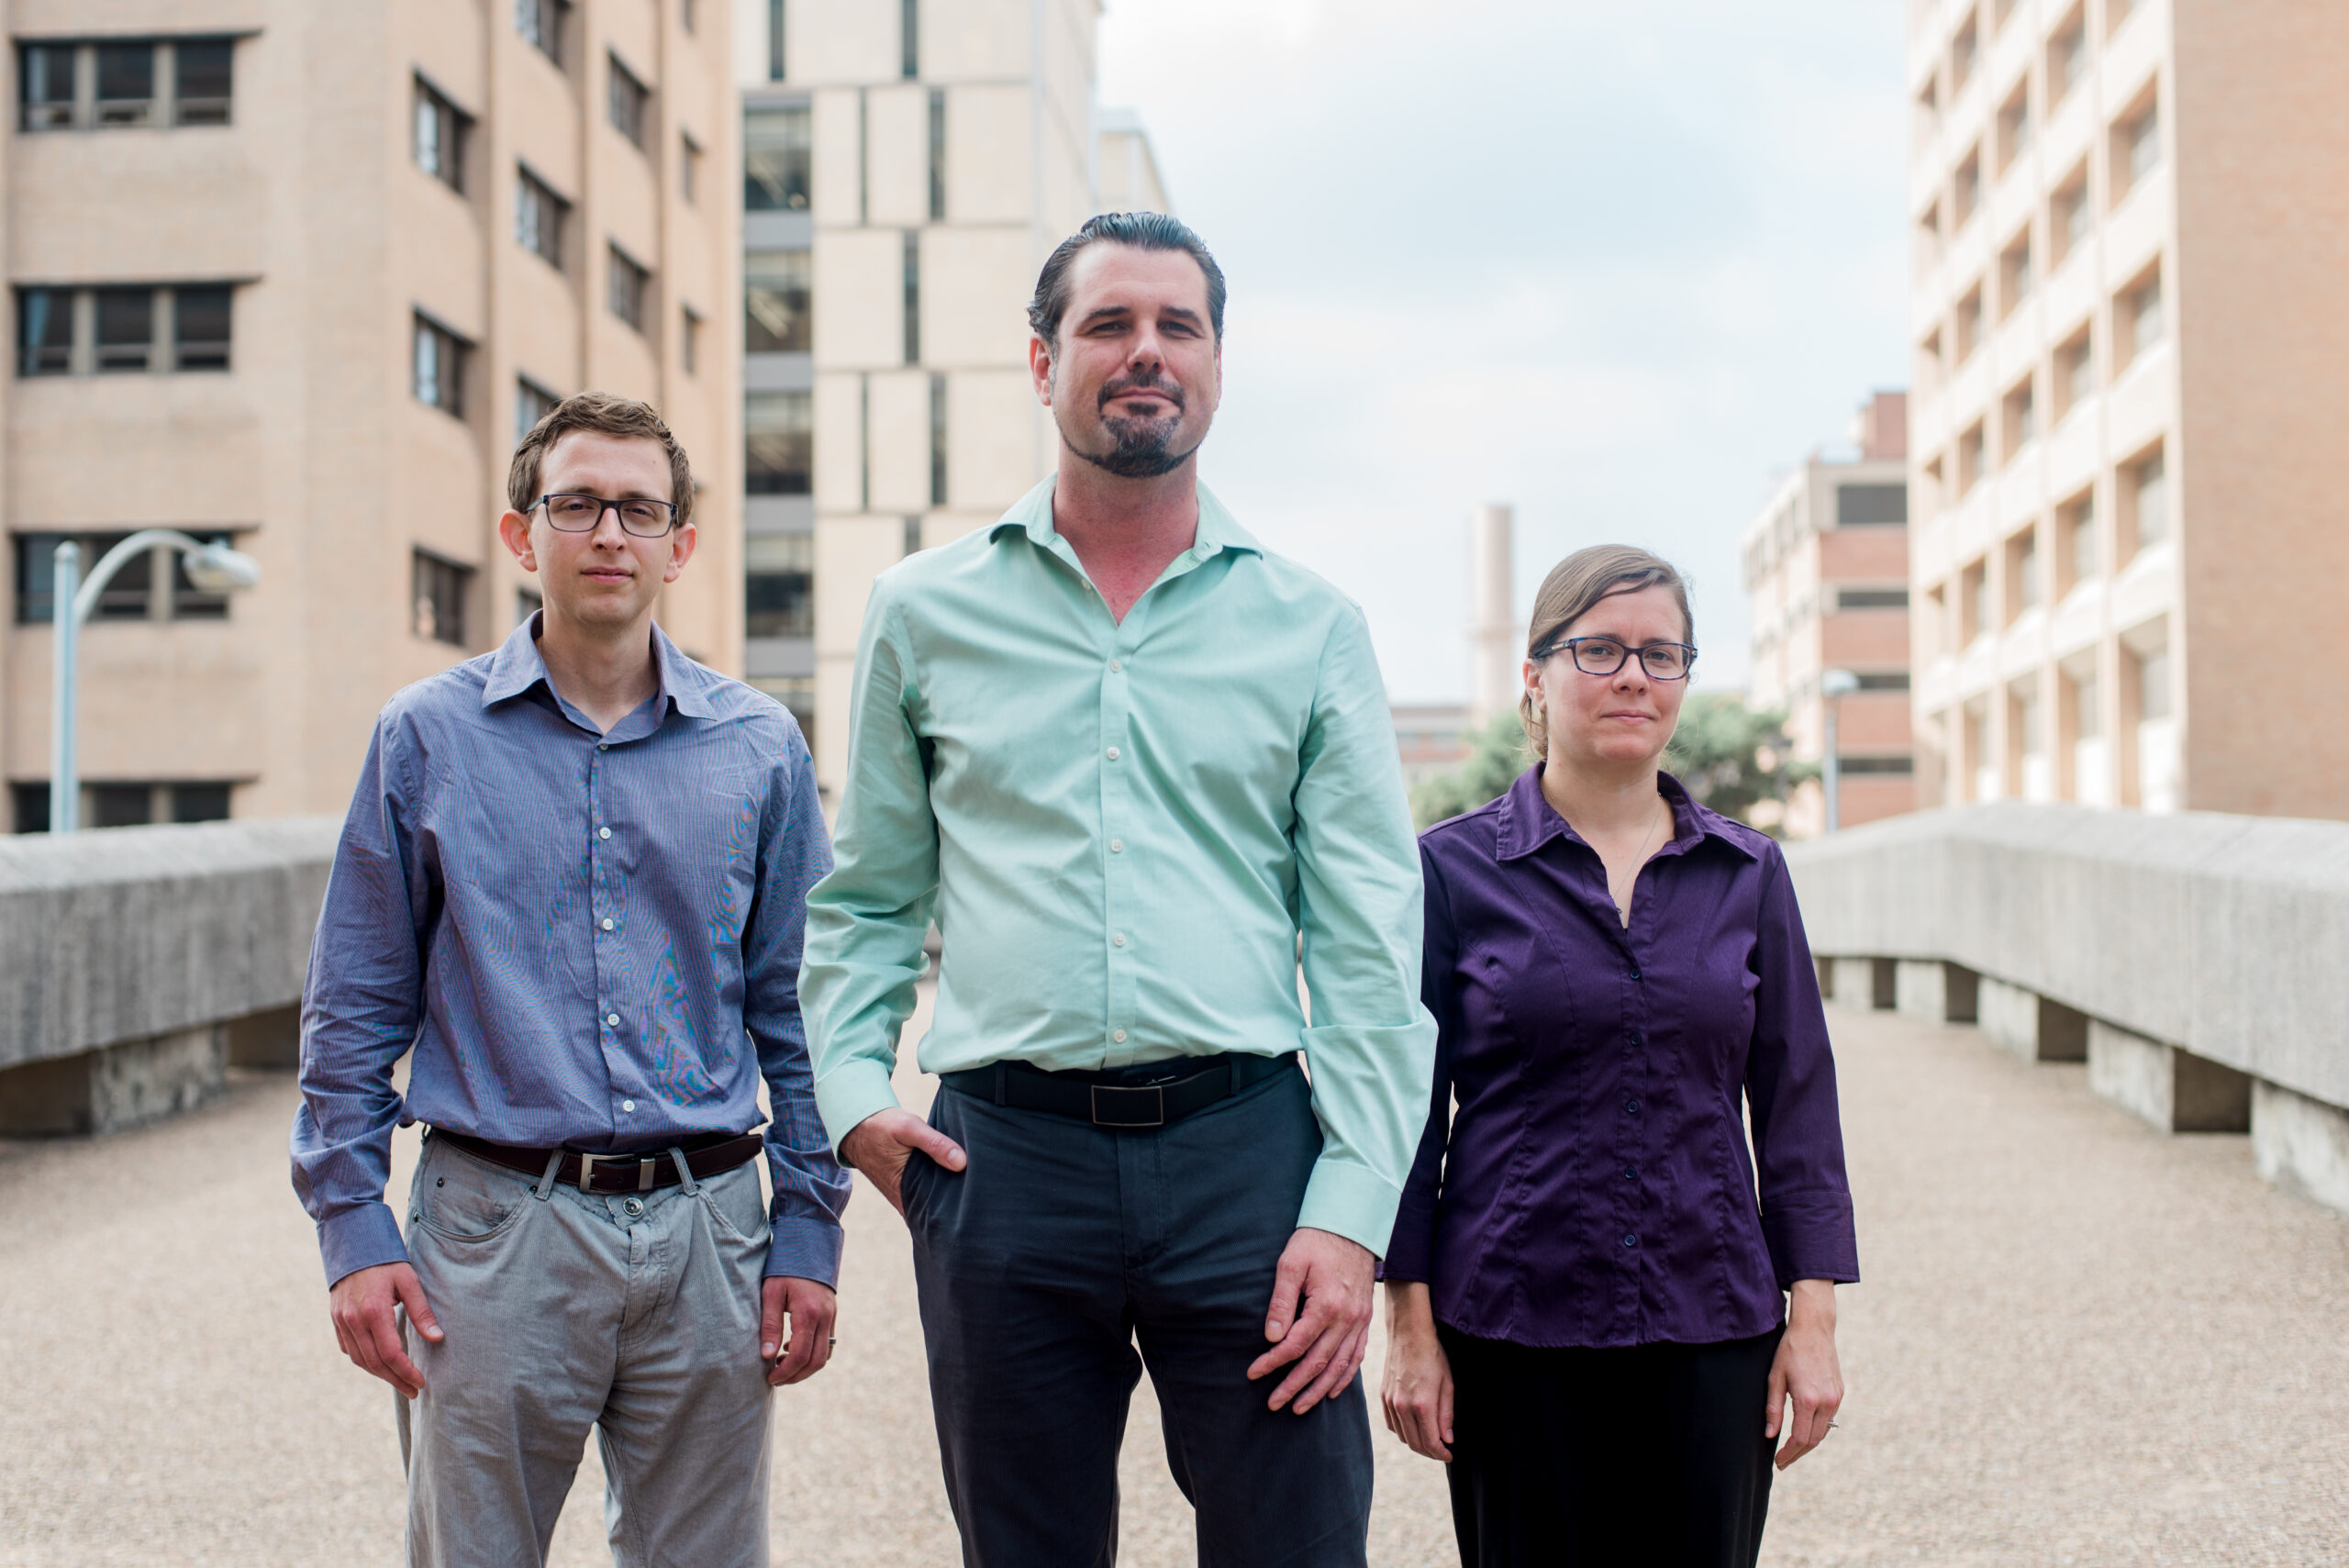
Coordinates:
[1730,756]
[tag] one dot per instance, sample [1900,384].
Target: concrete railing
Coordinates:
[2199,963]
[136,964]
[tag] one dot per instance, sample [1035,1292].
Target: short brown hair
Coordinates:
[1574,588]
[605,415]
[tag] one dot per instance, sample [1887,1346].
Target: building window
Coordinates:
[2067,60]
[441,357]
[778,438]
[688,340]
[2014,275]
[937,154]
[2014,128]
[2076,523]
[778,583]
[687,16]
[121,804]
[137,592]
[126,84]
[2142,309]
[937,440]
[1964,50]
[775,58]
[45,79]
[2148,488]
[202,83]
[1872,598]
[442,132]
[1968,332]
[441,590]
[2022,573]
[2021,411]
[774,298]
[542,24]
[910,38]
[774,159]
[2069,218]
[1882,767]
[2141,143]
[1969,459]
[538,217]
[1861,506]
[2074,372]
[1974,601]
[528,602]
[913,296]
[629,286]
[631,106]
[532,403]
[74,85]
[1884,680]
[1965,196]
[72,332]
[688,168]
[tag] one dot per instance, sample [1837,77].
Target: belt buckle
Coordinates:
[647,1167]
[1156,1092]
[587,1174]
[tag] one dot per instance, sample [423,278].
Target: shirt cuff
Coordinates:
[806,1248]
[851,1092]
[1812,1239]
[1410,1255]
[359,1239]
[1347,1200]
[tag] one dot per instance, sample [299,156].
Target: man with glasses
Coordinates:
[573,881]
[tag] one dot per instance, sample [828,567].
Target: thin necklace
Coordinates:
[1623,910]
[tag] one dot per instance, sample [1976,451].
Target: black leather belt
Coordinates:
[1116,1099]
[712,1155]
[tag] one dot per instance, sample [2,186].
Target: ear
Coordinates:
[514,528]
[1040,368]
[681,549]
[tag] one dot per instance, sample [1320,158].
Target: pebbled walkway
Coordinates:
[2079,1342]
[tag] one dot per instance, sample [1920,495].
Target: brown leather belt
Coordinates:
[637,1172]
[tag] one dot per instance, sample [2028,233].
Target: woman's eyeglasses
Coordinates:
[1604,655]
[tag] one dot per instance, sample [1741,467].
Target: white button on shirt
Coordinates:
[613,1019]
[628,1104]
[1119,939]
[1119,1036]
[1117,846]
[603,832]
[608,924]
[1113,753]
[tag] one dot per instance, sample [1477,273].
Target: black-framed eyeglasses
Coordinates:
[640,514]
[1604,655]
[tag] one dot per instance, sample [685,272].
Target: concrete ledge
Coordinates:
[2300,1144]
[2173,1090]
[1936,992]
[122,1086]
[2034,1027]
[1865,983]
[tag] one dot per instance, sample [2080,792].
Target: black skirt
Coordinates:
[1651,1456]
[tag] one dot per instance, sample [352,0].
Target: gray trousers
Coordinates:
[636,1316]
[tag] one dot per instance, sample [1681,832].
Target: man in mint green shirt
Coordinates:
[1127,759]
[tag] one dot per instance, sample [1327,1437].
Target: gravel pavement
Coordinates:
[2079,1342]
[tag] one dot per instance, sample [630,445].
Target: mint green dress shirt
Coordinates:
[1122,829]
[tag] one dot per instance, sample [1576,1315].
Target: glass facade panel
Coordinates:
[126,326]
[775,147]
[203,74]
[44,332]
[778,429]
[200,328]
[774,297]
[126,84]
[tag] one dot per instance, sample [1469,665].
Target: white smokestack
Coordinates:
[1493,632]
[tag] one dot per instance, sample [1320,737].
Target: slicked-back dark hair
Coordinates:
[1143,231]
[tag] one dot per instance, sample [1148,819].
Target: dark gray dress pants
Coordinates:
[1060,1248]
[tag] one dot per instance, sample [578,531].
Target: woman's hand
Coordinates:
[1417,1390]
[1805,1372]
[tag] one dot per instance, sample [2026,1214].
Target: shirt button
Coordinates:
[607,923]
[1637,1037]
[1630,1239]
[1119,1036]
[607,832]
[628,1104]
[1630,1174]
[1113,753]
[1635,973]
[1115,666]
[1119,939]
[603,745]
[1631,1107]
[613,1019]
[1117,846]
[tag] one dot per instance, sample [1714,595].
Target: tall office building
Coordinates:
[297,275]
[1826,566]
[2132,339]
[907,165]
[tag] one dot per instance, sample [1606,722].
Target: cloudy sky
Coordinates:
[1619,264]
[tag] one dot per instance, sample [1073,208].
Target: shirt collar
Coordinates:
[1218,530]
[517,665]
[1527,821]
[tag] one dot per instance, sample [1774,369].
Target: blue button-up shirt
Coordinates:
[1593,1187]
[589,939]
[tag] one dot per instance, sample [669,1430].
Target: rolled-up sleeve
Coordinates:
[810,1187]
[1790,1092]
[1370,1043]
[361,1006]
[866,920]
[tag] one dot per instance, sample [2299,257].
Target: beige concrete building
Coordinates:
[2132,339]
[1826,566]
[908,166]
[298,275]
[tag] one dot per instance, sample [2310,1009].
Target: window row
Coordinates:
[152,585]
[2056,741]
[125,805]
[2135,152]
[81,84]
[2060,65]
[2139,322]
[123,329]
[442,134]
[2046,560]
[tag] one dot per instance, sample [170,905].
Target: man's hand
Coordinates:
[880,1144]
[1328,1339]
[811,1306]
[369,1330]
[1805,1371]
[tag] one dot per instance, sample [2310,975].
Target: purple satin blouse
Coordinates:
[1594,1185]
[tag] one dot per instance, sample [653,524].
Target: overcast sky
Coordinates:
[1619,264]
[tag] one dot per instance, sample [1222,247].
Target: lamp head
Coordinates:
[1838,682]
[217,569]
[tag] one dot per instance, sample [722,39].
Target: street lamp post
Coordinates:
[1834,685]
[213,568]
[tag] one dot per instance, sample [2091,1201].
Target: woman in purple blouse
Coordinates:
[1588,1312]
